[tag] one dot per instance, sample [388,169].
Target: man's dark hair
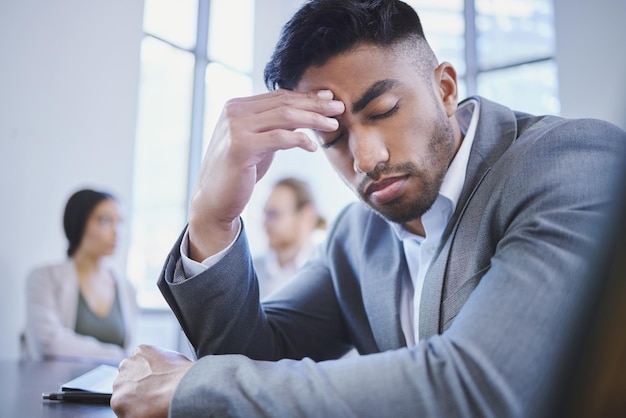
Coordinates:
[322,29]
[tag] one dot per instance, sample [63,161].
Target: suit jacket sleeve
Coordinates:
[220,310]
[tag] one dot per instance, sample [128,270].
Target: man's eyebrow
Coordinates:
[377,89]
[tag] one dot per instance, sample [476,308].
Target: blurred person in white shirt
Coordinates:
[293,225]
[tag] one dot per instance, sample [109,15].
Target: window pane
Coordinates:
[222,84]
[172,20]
[511,31]
[161,161]
[530,88]
[231,33]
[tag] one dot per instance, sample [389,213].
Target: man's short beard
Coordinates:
[409,208]
[403,212]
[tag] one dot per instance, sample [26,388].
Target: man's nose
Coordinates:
[369,150]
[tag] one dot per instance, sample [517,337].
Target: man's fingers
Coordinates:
[146,381]
[269,122]
[282,139]
[317,102]
[289,118]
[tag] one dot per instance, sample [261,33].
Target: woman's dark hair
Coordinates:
[77,211]
[321,29]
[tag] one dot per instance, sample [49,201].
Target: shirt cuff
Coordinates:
[193,268]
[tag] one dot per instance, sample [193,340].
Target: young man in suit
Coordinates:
[454,278]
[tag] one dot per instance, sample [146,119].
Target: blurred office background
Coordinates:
[122,95]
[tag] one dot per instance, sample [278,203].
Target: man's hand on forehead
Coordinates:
[246,136]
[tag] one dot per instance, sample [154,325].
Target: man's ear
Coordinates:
[445,77]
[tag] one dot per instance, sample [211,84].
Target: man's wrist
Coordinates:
[208,240]
[192,268]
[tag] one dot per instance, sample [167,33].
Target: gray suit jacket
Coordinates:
[498,294]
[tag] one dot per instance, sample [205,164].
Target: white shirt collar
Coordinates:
[452,185]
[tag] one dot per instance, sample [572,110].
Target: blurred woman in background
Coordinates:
[80,308]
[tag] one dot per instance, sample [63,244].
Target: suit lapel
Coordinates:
[496,130]
[383,271]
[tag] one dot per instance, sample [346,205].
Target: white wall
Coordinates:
[68,99]
[591,58]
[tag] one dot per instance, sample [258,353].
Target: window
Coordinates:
[501,49]
[186,76]
[515,53]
